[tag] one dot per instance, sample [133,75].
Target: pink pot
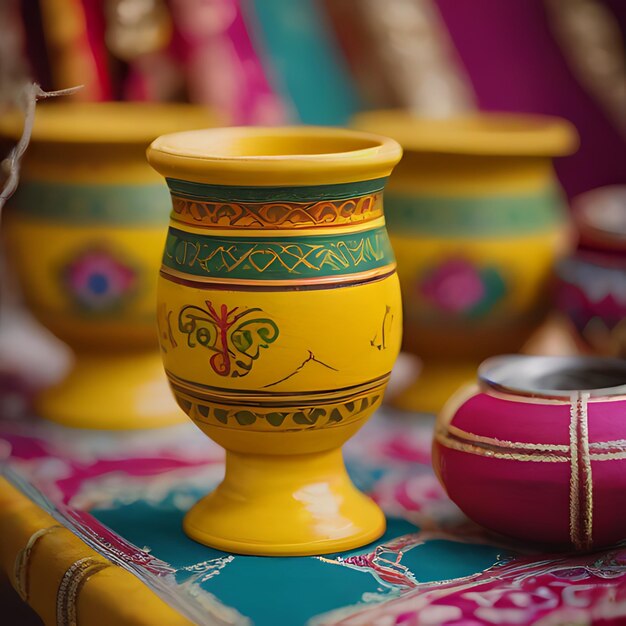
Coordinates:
[537,450]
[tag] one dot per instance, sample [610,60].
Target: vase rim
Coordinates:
[106,122]
[274,156]
[556,377]
[474,134]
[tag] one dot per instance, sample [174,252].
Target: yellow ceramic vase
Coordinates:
[85,233]
[281,321]
[476,219]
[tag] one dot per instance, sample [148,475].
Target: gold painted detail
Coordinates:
[282,215]
[495,443]
[458,439]
[22,561]
[269,411]
[506,450]
[581,485]
[71,584]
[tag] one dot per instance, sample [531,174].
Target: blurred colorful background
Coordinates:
[320,61]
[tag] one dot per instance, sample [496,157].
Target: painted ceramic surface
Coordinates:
[95,287]
[476,220]
[550,471]
[280,321]
[85,231]
[126,497]
[592,293]
[592,282]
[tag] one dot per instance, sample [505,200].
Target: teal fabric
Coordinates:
[295,40]
[287,591]
[272,591]
[137,487]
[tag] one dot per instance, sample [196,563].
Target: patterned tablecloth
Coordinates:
[125,496]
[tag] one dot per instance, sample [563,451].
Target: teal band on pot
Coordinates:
[277,258]
[474,216]
[127,205]
[226,193]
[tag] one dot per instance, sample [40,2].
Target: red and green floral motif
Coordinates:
[457,287]
[234,337]
[97,281]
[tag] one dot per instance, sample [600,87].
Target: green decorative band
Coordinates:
[283,418]
[294,410]
[481,215]
[140,204]
[226,193]
[277,258]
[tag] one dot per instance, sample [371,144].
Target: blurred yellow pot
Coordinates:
[85,233]
[476,219]
[281,321]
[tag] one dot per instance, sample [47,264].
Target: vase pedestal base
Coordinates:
[285,505]
[118,391]
[436,383]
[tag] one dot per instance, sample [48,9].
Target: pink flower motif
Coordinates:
[98,280]
[455,286]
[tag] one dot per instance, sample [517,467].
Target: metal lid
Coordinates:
[554,376]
